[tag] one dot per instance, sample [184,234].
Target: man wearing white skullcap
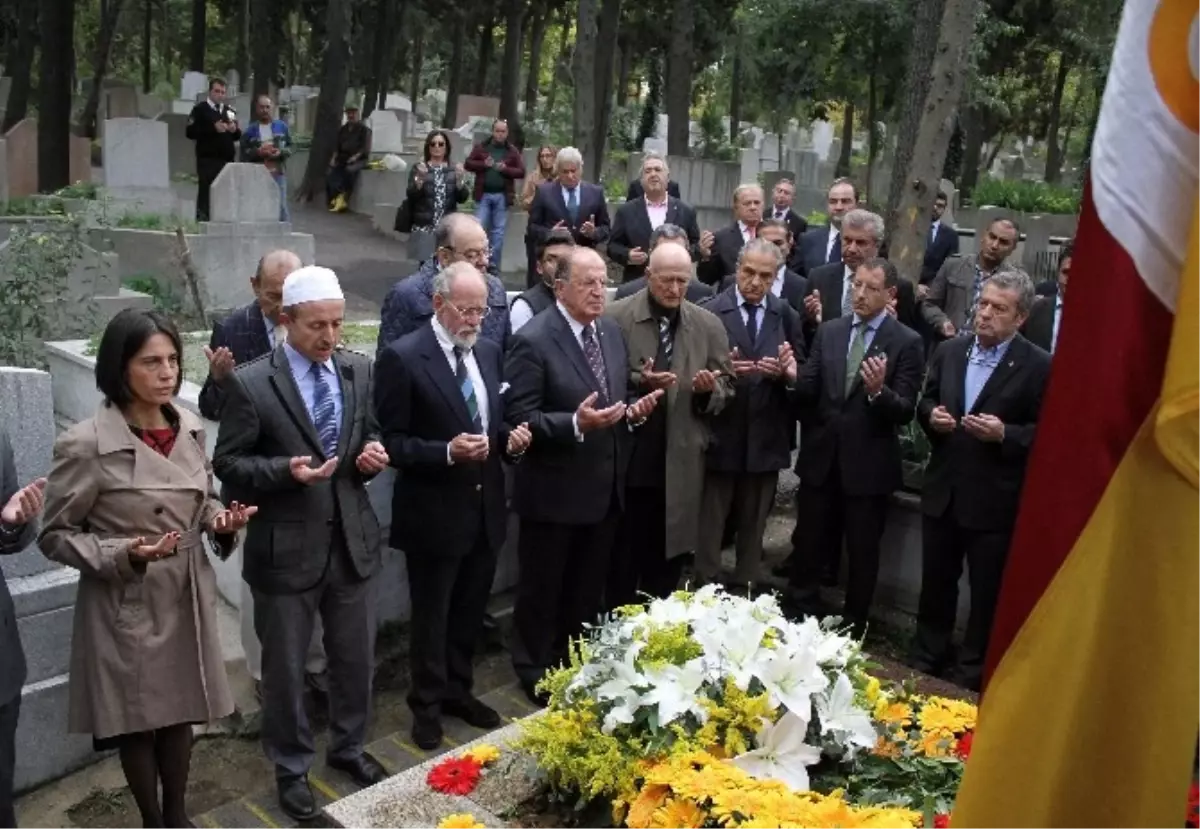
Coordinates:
[299,437]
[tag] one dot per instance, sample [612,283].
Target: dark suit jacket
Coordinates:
[631,229]
[636,191]
[1039,326]
[549,208]
[830,280]
[858,435]
[202,128]
[795,288]
[811,251]
[797,224]
[438,508]
[244,332]
[1047,287]
[756,429]
[944,245]
[12,540]
[560,479]
[976,482]
[264,425]
[697,291]
[727,246]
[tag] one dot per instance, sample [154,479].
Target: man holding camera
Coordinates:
[214,127]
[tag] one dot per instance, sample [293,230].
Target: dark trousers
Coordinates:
[341,179]
[944,545]
[284,624]
[449,594]
[640,563]
[9,712]
[824,516]
[743,500]
[561,588]
[207,170]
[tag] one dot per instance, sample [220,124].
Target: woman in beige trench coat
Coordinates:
[128,501]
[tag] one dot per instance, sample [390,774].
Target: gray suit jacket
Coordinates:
[12,540]
[263,426]
[951,292]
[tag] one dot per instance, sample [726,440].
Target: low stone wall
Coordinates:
[377,187]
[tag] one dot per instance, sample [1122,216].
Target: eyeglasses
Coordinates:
[469,313]
[437,143]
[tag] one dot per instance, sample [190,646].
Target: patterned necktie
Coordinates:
[750,231]
[323,412]
[595,361]
[752,322]
[858,350]
[573,205]
[969,325]
[847,296]
[666,345]
[468,390]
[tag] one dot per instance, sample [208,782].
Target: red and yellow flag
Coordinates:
[1090,712]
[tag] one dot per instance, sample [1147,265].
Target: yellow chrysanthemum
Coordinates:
[679,813]
[932,744]
[462,820]
[641,811]
[893,713]
[886,748]
[872,690]
[483,754]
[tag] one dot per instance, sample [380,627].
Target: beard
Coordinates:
[465,339]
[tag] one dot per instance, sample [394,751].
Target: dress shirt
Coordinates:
[301,368]
[981,362]
[481,395]
[272,330]
[777,284]
[868,335]
[833,234]
[656,212]
[780,213]
[566,194]
[519,313]
[741,304]
[934,228]
[1058,302]
[745,229]
[577,330]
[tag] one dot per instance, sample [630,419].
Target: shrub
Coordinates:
[1026,196]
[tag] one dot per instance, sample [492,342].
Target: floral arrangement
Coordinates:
[461,820]
[460,775]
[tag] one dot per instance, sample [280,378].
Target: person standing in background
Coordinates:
[213,126]
[268,142]
[349,158]
[497,165]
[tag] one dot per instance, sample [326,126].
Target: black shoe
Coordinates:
[427,732]
[364,769]
[296,798]
[541,700]
[472,712]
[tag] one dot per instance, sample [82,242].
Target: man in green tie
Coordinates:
[857,388]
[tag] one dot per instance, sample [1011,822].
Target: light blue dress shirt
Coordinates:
[868,335]
[301,368]
[981,362]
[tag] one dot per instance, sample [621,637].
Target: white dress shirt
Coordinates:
[519,313]
[577,330]
[777,284]
[833,234]
[481,395]
[746,237]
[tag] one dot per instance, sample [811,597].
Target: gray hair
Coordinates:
[445,279]
[568,155]
[451,223]
[865,220]
[274,259]
[656,156]
[757,246]
[742,188]
[667,232]
[1017,281]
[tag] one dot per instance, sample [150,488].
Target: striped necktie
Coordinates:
[468,389]
[323,412]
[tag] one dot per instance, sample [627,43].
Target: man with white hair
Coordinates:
[441,410]
[637,219]
[298,437]
[719,251]
[571,203]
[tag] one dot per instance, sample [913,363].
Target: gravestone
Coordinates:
[21,154]
[233,82]
[654,145]
[181,151]
[135,153]
[193,86]
[80,165]
[398,102]
[244,193]
[822,138]
[387,136]
[119,102]
[150,106]
[5,88]
[476,105]
[243,108]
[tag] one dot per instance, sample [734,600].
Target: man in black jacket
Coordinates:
[822,245]
[787,285]
[558,243]
[350,156]
[214,127]
[980,409]
[719,251]
[637,219]
[783,196]
[697,291]
[940,246]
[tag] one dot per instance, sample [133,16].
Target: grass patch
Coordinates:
[155,221]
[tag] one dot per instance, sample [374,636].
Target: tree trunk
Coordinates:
[57,26]
[679,76]
[267,19]
[842,168]
[995,150]
[375,89]
[606,58]
[650,109]
[454,83]
[103,48]
[20,62]
[537,38]
[147,43]
[583,127]
[510,66]
[242,59]
[418,61]
[199,24]
[922,49]
[1054,150]
[1069,128]
[487,45]
[395,23]
[872,132]
[922,172]
[561,63]
[973,129]
[735,95]
[331,103]
[624,73]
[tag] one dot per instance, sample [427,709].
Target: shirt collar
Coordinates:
[741,300]
[443,336]
[872,323]
[834,230]
[995,353]
[300,364]
[742,226]
[660,204]
[576,326]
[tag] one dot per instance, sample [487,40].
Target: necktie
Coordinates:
[595,361]
[858,350]
[752,322]
[750,231]
[975,291]
[847,296]
[666,345]
[280,335]
[573,206]
[323,412]
[933,229]
[468,389]
[835,250]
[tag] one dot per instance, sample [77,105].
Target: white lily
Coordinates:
[674,689]
[792,676]
[782,753]
[842,719]
[620,688]
[733,642]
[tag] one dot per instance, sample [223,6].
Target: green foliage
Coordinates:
[816,218]
[615,188]
[79,190]
[714,139]
[33,206]
[1026,196]
[914,454]
[622,131]
[303,141]
[154,221]
[165,298]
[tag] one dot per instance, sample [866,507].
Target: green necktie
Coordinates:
[858,350]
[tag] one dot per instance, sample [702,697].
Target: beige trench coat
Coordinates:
[700,343]
[145,652]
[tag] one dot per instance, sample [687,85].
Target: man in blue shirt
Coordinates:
[268,142]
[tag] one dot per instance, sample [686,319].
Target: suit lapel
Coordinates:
[954,378]
[289,395]
[565,337]
[768,328]
[614,366]
[438,369]
[258,330]
[741,335]
[491,383]
[879,344]
[672,210]
[1001,374]
[346,377]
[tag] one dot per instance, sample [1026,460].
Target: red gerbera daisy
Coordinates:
[941,822]
[1193,812]
[458,775]
[963,749]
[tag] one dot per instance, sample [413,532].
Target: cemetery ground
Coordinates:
[231,780]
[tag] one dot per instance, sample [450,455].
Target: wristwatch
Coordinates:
[871,398]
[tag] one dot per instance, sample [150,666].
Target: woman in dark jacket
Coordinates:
[435,188]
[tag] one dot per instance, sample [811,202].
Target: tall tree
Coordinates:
[605,67]
[583,126]
[539,23]
[913,211]
[679,76]
[842,168]
[387,34]
[147,44]
[102,49]
[242,57]
[1053,147]
[510,65]
[19,61]
[418,61]
[57,27]
[563,65]
[199,32]
[335,68]
[454,84]
[267,19]
[487,46]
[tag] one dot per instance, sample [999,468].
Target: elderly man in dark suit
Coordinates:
[298,436]
[823,245]
[440,407]
[941,245]
[753,436]
[980,409]
[697,291]
[719,251]
[568,371]
[858,386]
[571,203]
[949,305]
[18,528]
[787,285]
[636,220]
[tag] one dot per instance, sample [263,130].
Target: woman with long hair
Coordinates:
[435,188]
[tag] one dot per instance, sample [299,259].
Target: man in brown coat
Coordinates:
[681,348]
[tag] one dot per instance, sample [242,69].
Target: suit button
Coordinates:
[478,487]
[158,510]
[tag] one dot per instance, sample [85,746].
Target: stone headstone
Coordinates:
[135,153]
[477,105]
[243,108]
[181,151]
[654,145]
[119,102]
[193,84]
[80,167]
[233,82]
[5,87]
[150,106]
[244,193]
[822,138]
[387,136]
[27,415]
[21,153]
[397,101]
